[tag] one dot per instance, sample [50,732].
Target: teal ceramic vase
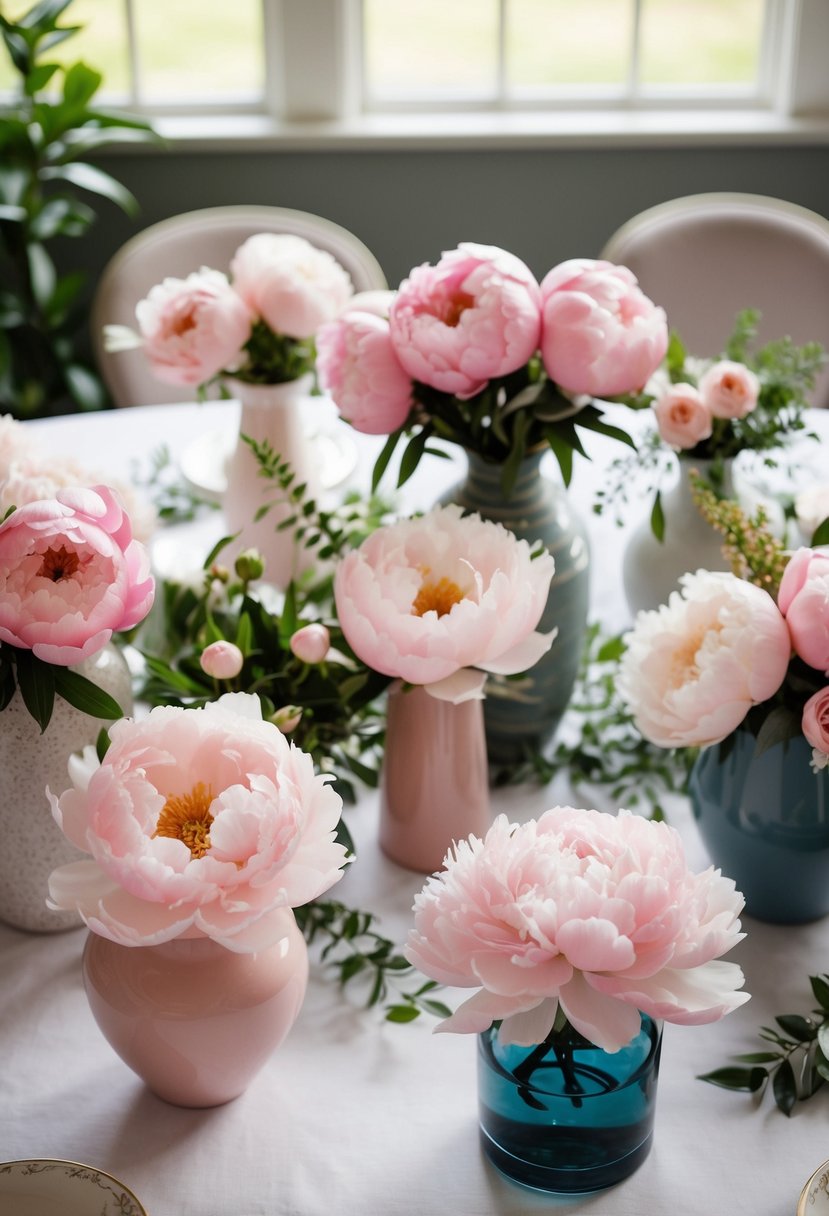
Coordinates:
[764,819]
[520,717]
[566,1116]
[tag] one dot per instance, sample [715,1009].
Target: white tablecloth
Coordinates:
[354,1115]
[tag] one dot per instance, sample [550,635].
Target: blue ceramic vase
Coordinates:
[566,1116]
[764,819]
[521,717]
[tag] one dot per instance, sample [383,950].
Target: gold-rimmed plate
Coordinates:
[51,1187]
[814,1198]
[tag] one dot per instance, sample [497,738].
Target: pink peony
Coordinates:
[600,334]
[427,599]
[221,660]
[474,316]
[682,417]
[198,820]
[293,286]
[597,913]
[358,367]
[71,575]
[311,643]
[694,667]
[803,599]
[729,389]
[815,726]
[193,328]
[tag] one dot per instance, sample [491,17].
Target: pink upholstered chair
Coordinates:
[182,244]
[707,256]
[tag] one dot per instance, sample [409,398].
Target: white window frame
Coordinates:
[315,98]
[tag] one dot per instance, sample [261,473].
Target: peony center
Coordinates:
[455,307]
[58,564]
[186,817]
[684,667]
[439,597]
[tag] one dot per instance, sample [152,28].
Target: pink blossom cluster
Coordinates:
[597,914]
[694,667]
[478,315]
[197,328]
[685,413]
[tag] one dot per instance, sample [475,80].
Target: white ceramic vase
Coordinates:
[33,844]
[651,569]
[276,413]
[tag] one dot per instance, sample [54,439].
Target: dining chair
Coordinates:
[705,257]
[177,246]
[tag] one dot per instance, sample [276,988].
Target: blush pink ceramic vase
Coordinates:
[435,783]
[277,413]
[194,1020]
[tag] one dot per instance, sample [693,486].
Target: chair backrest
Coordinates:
[174,248]
[707,256]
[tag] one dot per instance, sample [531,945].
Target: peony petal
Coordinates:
[466,684]
[530,1027]
[609,1023]
[522,656]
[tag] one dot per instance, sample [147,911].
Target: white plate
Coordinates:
[203,462]
[47,1187]
[814,1198]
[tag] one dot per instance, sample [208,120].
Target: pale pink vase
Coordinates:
[435,782]
[196,1021]
[277,413]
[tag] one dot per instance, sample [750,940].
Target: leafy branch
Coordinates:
[798,1064]
[354,949]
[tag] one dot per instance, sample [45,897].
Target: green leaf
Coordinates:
[438,1009]
[800,1028]
[746,1079]
[42,274]
[823,1038]
[36,682]
[611,650]
[784,1087]
[778,727]
[88,177]
[39,77]
[84,695]
[102,744]
[758,1057]
[412,453]
[402,1013]
[658,518]
[244,634]
[43,16]
[84,386]
[220,544]
[12,214]
[80,84]
[820,536]
[563,453]
[61,217]
[820,988]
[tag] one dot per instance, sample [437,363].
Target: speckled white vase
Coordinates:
[33,845]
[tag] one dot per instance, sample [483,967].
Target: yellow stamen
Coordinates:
[186,817]
[58,564]
[439,597]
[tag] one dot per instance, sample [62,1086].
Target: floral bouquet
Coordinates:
[71,575]
[476,352]
[256,326]
[580,916]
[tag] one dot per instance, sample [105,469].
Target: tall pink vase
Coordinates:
[276,413]
[435,784]
[196,1021]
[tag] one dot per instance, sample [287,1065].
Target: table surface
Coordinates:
[353,1114]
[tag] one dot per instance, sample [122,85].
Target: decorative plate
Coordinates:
[46,1187]
[814,1198]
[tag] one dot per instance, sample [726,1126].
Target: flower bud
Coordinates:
[249,565]
[222,660]
[311,643]
[220,573]
[287,718]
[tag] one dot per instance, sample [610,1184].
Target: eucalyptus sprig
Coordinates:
[354,948]
[797,1063]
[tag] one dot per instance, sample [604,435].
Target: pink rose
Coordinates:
[729,389]
[601,334]
[293,286]
[815,724]
[358,367]
[682,417]
[311,643]
[193,328]
[693,668]
[803,599]
[428,599]
[221,660]
[71,575]
[197,819]
[474,316]
[595,913]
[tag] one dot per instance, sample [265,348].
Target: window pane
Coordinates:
[556,42]
[102,43]
[432,46]
[196,52]
[701,41]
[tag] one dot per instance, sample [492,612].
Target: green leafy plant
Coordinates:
[796,1064]
[46,136]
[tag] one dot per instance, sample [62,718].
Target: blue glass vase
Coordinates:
[520,718]
[566,1116]
[764,819]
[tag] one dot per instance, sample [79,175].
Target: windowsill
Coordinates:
[506,130]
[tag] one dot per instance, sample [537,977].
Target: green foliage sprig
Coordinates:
[797,1062]
[40,683]
[46,136]
[354,950]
